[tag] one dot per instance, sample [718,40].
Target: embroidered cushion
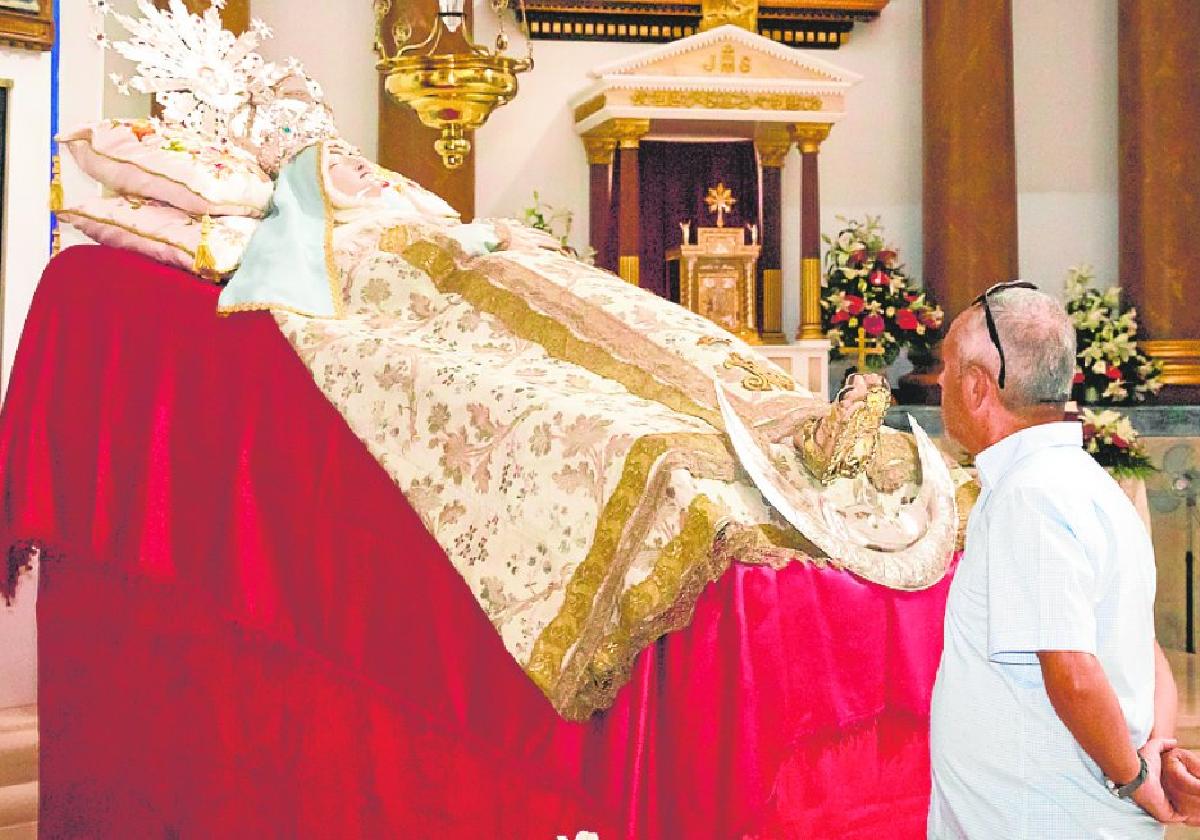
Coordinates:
[143,158]
[211,247]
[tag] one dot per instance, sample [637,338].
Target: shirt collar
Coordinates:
[998,458]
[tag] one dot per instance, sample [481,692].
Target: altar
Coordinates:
[728,86]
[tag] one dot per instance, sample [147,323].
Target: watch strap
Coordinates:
[1127,790]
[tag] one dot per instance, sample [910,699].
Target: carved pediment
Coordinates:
[727,53]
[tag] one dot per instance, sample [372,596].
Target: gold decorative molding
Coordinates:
[810,299]
[599,147]
[725,100]
[582,112]
[1180,359]
[743,13]
[772,142]
[628,132]
[772,331]
[629,270]
[810,136]
[809,24]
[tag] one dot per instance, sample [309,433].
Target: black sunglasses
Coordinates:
[991,322]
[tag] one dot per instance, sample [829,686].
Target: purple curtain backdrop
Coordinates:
[674,180]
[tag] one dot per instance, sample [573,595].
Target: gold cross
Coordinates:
[720,200]
[863,352]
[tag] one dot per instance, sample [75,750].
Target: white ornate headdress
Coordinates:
[208,80]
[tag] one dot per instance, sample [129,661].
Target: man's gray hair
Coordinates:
[1039,346]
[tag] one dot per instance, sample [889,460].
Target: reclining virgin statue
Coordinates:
[558,430]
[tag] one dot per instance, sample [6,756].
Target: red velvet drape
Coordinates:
[244,631]
[675,177]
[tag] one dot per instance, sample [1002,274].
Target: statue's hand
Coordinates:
[841,443]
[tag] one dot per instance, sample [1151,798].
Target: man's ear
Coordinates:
[978,388]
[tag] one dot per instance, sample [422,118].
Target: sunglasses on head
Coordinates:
[991,322]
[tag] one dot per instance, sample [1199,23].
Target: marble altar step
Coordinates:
[18,773]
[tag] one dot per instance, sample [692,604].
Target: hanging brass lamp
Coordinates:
[454,92]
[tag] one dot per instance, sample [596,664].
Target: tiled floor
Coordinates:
[18,773]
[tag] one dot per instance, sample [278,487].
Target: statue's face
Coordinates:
[353,175]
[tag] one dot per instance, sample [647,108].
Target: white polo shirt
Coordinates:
[1056,559]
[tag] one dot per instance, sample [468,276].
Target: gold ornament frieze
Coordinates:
[725,100]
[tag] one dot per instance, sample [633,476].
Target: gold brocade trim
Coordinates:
[66,215]
[256,212]
[557,340]
[660,604]
[592,589]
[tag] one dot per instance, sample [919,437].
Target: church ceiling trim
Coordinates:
[810,24]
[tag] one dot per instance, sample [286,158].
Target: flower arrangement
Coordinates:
[865,288]
[1110,367]
[1113,442]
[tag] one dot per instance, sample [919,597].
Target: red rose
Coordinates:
[1120,442]
[1089,431]
[839,316]
[906,319]
[1078,379]
[887,257]
[910,297]
[873,324]
[878,277]
[1113,373]
[859,256]
[854,304]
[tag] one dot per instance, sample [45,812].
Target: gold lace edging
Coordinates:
[593,585]
[557,340]
[662,603]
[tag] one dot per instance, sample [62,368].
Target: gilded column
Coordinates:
[970,172]
[405,144]
[773,142]
[628,133]
[600,147]
[1158,101]
[809,137]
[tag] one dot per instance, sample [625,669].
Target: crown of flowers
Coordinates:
[213,82]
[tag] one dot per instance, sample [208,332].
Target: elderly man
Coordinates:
[1053,702]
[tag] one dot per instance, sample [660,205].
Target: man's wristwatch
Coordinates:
[1127,790]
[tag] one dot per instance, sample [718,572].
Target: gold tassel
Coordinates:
[203,263]
[56,189]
